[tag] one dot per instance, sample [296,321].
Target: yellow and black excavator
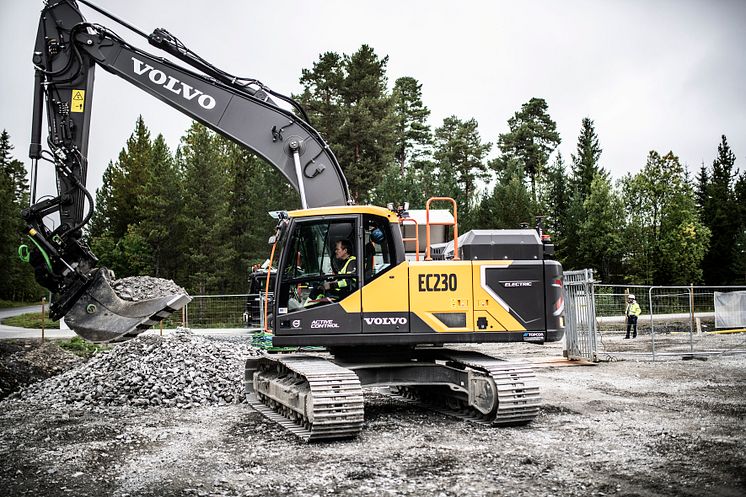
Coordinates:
[343,279]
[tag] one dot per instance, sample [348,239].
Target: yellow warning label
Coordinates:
[78,101]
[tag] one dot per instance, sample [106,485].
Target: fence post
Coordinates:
[691,314]
[652,326]
[43,301]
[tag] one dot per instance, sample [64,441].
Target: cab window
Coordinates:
[378,251]
[310,263]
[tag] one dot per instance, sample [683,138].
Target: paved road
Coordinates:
[656,317]
[15,311]
[16,332]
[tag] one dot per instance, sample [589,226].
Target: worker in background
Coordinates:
[632,312]
[343,286]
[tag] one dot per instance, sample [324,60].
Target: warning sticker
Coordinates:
[77,101]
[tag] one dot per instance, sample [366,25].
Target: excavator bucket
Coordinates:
[99,315]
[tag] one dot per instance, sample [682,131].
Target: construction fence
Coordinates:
[676,321]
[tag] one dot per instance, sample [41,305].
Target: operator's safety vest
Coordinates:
[343,283]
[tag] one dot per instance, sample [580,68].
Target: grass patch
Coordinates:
[81,347]
[31,320]
[9,304]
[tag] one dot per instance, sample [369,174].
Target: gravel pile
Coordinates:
[136,288]
[23,362]
[180,370]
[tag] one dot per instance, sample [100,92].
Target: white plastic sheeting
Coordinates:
[730,309]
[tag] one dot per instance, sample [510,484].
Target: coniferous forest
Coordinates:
[198,214]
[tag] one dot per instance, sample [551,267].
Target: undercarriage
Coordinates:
[321,398]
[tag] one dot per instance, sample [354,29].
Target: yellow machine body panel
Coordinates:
[488,306]
[388,292]
[441,294]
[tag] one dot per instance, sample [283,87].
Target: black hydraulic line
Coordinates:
[114,18]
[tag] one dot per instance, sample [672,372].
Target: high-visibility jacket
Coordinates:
[633,309]
[350,267]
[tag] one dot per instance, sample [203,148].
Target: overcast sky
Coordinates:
[653,75]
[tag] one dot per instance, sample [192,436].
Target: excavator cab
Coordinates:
[319,290]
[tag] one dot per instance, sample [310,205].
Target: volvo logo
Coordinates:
[380,321]
[170,83]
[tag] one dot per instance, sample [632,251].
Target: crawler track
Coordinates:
[309,396]
[517,391]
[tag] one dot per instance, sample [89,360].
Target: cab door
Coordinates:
[385,295]
[308,261]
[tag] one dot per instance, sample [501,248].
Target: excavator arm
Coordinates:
[66,53]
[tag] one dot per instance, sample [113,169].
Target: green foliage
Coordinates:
[460,153]
[665,240]
[738,264]
[198,215]
[555,199]
[347,100]
[722,214]
[115,226]
[31,320]
[585,163]
[205,211]
[255,188]
[7,304]
[413,134]
[509,204]
[600,243]
[532,138]
[16,278]
[81,347]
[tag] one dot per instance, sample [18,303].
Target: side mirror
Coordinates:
[272,240]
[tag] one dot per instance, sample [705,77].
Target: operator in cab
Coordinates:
[347,262]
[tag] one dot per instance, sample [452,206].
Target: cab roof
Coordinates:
[346,209]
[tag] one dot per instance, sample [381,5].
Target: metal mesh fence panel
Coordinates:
[580,315]
[216,311]
[676,321]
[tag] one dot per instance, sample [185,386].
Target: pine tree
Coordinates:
[738,266]
[510,204]
[557,200]
[158,212]
[205,212]
[599,236]
[460,156]
[348,98]
[112,232]
[413,132]
[16,278]
[255,189]
[568,244]
[585,163]
[701,192]
[719,214]
[128,179]
[532,138]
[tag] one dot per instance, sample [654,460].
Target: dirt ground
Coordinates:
[616,428]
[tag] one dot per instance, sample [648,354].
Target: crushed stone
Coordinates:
[180,370]
[22,363]
[136,288]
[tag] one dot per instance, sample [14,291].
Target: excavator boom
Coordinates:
[66,53]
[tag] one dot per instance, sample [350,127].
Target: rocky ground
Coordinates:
[617,428]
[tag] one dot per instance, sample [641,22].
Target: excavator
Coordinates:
[343,280]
